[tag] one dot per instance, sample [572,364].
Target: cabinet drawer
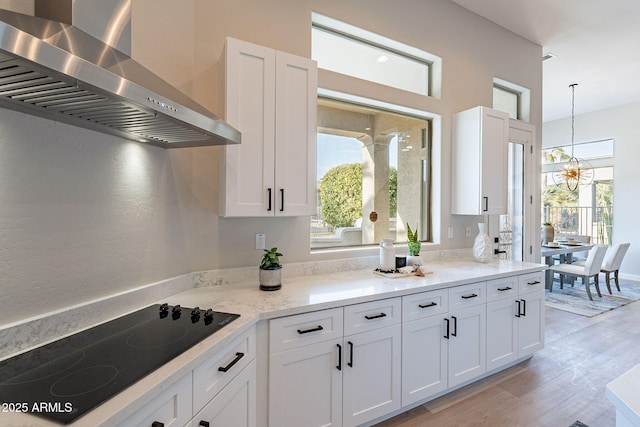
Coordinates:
[502,288]
[531,282]
[425,304]
[372,315]
[467,295]
[291,332]
[172,407]
[221,367]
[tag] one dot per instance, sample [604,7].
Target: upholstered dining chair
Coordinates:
[612,263]
[591,268]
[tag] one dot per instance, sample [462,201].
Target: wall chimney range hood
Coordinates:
[57,71]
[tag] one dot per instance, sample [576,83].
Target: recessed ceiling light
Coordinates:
[382,58]
[548,55]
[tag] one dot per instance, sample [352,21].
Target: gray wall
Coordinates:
[85,215]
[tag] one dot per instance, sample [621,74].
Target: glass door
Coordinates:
[517,227]
[512,223]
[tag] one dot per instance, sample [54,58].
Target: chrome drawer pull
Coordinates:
[306,331]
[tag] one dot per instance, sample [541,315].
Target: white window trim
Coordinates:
[343,27]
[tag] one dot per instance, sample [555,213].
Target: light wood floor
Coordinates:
[561,384]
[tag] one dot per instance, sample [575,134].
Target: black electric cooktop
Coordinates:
[65,379]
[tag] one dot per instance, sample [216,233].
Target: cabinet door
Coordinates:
[424,359]
[172,407]
[247,170]
[305,386]
[495,148]
[479,156]
[295,142]
[371,378]
[467,344]
[235,405]
[531,324]
[502,333]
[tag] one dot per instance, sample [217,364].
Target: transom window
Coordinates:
[512,99]
[359,53]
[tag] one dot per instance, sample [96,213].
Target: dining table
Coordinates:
[565,250]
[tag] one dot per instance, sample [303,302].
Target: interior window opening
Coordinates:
[373,174]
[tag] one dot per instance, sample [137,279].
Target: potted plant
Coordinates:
[413,242]
[270,277]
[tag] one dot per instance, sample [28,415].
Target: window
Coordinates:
[359,53]
[374,175]
[506,100]
[374,158]
[588,210]
[512,99]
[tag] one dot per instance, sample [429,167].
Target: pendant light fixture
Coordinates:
[574,172]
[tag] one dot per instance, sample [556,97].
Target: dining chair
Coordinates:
[591,268]
[612,263]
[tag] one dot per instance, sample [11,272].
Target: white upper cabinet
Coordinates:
[271,99]
[479,161]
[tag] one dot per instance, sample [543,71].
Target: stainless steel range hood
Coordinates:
[57,71]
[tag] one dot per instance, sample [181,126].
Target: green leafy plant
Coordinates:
[270,259]
[412,236]
[413,241]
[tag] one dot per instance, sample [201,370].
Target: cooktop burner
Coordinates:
[67,378]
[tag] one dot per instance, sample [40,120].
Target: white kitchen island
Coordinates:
[623,393]
[309,292]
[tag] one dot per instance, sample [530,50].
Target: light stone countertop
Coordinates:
[298,295]
[623,393]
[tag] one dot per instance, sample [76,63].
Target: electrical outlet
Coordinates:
[467,232]
[261,240]
[450,232]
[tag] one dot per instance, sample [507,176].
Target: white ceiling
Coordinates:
[597,44]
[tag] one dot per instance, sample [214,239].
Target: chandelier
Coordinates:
[574,172]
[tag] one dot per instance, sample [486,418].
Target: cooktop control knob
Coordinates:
[164,310]
[208,316]
[176,311]
[195,314]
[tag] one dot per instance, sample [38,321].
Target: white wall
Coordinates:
[620,124]
[84,215]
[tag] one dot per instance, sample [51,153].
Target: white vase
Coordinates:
[414,260]
[387,255]
[482,244]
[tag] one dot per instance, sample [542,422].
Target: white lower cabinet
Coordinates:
[467,344]
[515,320]
[345,381]
[234,406]
[171,408]
[371,377]
[424,348]
[221,391]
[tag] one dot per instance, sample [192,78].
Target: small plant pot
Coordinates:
[271,279]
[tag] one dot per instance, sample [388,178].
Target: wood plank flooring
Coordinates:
[561,384]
